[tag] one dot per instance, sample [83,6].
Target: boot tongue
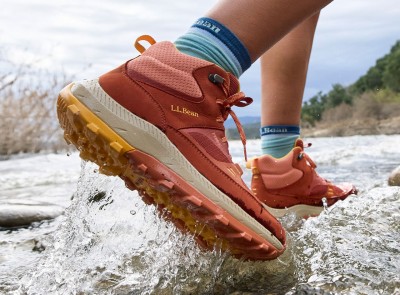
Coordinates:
[234,85]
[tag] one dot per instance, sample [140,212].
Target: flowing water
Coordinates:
[109,242]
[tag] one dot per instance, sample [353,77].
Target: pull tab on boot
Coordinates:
[139,47]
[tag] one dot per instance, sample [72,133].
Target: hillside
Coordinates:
[371,105]
[245,120]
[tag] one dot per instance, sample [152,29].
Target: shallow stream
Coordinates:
[109,242]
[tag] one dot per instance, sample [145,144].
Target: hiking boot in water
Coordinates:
[291,184]
[157,122]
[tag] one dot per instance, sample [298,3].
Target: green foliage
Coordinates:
[372,80]
[384,74]
[337,96]
[387,96]
[251,130]
[383,77]
[391,74]
[313,108]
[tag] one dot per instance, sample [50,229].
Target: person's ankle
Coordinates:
[210,40]
[278,140]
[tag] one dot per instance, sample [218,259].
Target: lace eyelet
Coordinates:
[216,79]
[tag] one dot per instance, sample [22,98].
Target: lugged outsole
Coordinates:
[156,183]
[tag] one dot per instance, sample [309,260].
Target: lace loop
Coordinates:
[240,100]
[310,161]
[307,157]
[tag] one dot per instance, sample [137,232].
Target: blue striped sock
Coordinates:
[212,41]
[278,140]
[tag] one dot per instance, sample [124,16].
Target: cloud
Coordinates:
[350,35]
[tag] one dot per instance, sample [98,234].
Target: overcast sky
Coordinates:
[71,34]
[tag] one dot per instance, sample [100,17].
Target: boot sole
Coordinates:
[303,211]
[147,161]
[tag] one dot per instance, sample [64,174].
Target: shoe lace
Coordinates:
[238,99]
[306,156]
[309,160]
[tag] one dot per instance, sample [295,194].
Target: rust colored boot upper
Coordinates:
[189,99]
[292,180]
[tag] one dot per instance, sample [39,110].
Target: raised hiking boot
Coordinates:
[157,122]
[291,184]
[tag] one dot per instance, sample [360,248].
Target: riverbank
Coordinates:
[350,127]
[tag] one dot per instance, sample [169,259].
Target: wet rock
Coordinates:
[309,290]
[39,246]
[394,178]
[24,213]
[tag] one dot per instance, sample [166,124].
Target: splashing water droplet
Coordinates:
[325,203]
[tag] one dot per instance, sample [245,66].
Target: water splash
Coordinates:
[101,247]
[353,247]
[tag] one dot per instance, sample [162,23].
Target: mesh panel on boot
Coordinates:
[211,148]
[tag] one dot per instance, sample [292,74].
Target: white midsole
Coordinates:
[147,137]
[299,210]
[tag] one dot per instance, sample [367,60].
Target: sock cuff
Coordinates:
[280,129]
[204,37]
[227,37]
[287,141]
[278,147]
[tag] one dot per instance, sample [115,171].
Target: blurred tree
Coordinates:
[391,74]
[384,75]
[313,108]
[337,96]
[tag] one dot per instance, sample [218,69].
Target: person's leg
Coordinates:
[235,33]
[261,24]
[283,73]
[284,178]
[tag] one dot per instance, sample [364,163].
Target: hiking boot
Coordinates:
[291,184]
[157,122]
